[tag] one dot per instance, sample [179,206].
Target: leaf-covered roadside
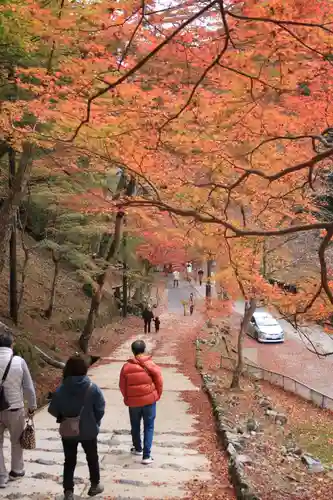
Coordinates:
[276,471]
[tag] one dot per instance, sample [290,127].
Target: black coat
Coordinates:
[147,315]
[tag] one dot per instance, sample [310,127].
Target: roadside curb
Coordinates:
[237,474]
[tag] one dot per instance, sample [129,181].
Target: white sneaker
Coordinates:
[147,461]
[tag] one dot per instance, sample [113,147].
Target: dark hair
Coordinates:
[6,336]
[75,366]
[138,347]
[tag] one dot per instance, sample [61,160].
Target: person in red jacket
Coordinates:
[141,385]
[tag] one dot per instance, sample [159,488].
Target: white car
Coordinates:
[264,328]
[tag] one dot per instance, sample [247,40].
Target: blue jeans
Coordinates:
[148,414]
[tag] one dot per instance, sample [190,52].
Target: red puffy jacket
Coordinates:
[140,382]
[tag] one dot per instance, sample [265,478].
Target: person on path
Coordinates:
[176,277]
[191,303]
[189,271]
[79,397]
[17,386]
[141,385]
[200,276]
[157,324]
[147,316]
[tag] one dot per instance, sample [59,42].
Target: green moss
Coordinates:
[316,439]
[25,349]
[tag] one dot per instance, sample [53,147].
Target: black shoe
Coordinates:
[68,495]
[95,489]
[14,476]
[135,452]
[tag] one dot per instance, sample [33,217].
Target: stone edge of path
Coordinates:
[237,475]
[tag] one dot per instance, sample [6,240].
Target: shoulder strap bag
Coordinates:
[70,426]
[147,371]
[4,405]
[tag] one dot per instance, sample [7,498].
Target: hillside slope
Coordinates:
[57,336]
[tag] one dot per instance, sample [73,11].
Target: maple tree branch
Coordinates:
[195,87]
[215,62]
[49,62]
[278,22]
[308,164]
[128,46]
[286,138]
[213,219]
[170,9]
[251,78]
[138,66]
[300,41]
[225,22]
[280,245]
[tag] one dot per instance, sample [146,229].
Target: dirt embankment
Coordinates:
[57,336]
[287,452]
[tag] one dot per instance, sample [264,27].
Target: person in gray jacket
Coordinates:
[17,387]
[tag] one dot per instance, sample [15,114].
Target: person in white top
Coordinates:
[175,279]
[16,388]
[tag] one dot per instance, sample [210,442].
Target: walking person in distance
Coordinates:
[176,277]
[141,385]
[200,276]
[147,316]
[78,405]
[16,386]
[191,303]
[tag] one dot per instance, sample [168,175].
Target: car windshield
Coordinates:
[266,321]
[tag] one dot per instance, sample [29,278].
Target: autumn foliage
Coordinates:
[216,108]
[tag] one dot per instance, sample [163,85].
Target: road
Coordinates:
[176,295]
[293,358]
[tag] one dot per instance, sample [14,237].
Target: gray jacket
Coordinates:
[18,385]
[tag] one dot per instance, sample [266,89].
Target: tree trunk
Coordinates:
[98,293]
[13,298]
[264,259]
[248,313]
[49,310]
[24,268]
[45,357]
[91,320]
[11,203]
[13,295]
[125,278]
[209,284]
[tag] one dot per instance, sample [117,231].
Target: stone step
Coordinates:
[180,462]
[164,439]
[35,488]
[173,451]
[151,474]
[125,490]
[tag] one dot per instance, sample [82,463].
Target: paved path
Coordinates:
[176,459]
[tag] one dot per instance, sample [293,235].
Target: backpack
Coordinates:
[70,426]
[4,405]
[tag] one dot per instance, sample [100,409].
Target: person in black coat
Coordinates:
[147,316]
